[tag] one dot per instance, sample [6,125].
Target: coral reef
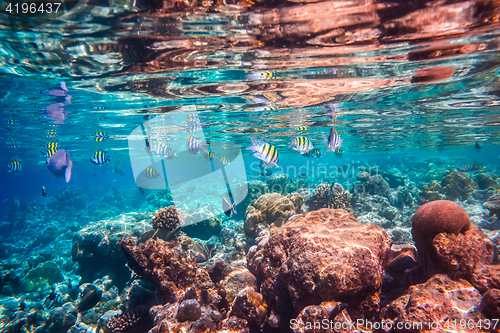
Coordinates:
[278,183]
[486,180]
[168,218]
[297,200]
[249,305]
[270,209]
[457,185]
[328,195]
[490,304]
[443,298]
[320,197]
[43,276]
[321,256]
[431,219]
[97,251]
[493,206]
[372,185]
[339,199]
[236,281]
[128,322]
[431,192]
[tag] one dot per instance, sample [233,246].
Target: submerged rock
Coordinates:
[321,256]
[270,209]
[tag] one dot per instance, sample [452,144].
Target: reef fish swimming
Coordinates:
[265,152]
[89,300]
[470,168]
[228,209]
[60,164]
[301,144]
[151,173]
[14,166]
[334,140]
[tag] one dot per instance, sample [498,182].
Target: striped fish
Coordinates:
[301,144]
[338,152]
[470,168]
[228,209]
[151,173]
[265,152]
[100,158]
[14,166]
[224,160]
[334,140]
[301,129]
[262,75]
[210,156]
[100,136]
[195,144]
[315,153]
[264,108]
[52,145]
[49,152]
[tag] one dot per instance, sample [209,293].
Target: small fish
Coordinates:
[262,75]
[338,152]
[14,166]
[50,152]
[209,156]
[60,164]
[470,168]
[51,145]
[100,136]
[301,144]
[163,150]
[264,108]
[89,300]
[11,121]
[194,123]
[151,173]
[228,209]
[224,160]
[44,193]
[334,140]
[100,158]
[264,170]
[477,146]
[301,129]
[118,169]
[332,111]
[315,153]
[265,152]
[195,144]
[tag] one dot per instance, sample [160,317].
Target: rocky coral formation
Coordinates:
[445,301]
[270,209]
[177,279]
[372,185]
[490,304]
[431,219]
[321,256]
[278,183]
[249,306]
[97,251]
[457,185]
[431,192]
[328,195]
[168,218]
[236,281]
[297,200]
[486,180]
[493,205]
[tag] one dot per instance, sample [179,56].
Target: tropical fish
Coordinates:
[265,152]
[470,168]
[194,123]
[44,193]
[332,111]
[264,108]
[89,300]
[334,140]
[264,170]
[301,144]
[14,166]
[262,75]
[52,145]
[477,146]
[118,169]
[338,152]
[228,209]
[11,121]
[224,160]
[60,164]
[301,129]
[209,156]
[195,144]
[100,136]
[163,150]
[151,173]
[100,158]
[315,153]
[49,152]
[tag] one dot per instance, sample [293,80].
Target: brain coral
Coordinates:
[269,209]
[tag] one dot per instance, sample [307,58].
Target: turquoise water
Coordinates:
[412,102]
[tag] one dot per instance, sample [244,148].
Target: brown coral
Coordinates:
[457,185]
[339,198]
[169,218]
[270,209]
[431,192]
[129,322]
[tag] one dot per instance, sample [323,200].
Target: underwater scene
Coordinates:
[249,166]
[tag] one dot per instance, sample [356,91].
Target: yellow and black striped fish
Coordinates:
[301,129]
[100,158]
[338,152]
[14,166]
[301,144]
[50,152]
[224,160]
[264,108]
[262,75]
[52,145]
[210,156]
[151,173]
[100,136]
[265,152]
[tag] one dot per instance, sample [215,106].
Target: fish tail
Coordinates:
[254,145]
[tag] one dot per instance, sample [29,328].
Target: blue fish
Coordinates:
[60,164]
[334,140]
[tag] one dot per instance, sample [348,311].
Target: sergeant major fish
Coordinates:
[14,166]
[100,158]
[265,152]
[301,144]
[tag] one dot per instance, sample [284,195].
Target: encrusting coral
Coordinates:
[169,218]
[330,196]
[270,209]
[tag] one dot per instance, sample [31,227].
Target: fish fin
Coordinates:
[67,173]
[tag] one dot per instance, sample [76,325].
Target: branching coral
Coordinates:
[169,218]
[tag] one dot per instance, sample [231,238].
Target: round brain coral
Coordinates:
[434,218]
[169,218]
